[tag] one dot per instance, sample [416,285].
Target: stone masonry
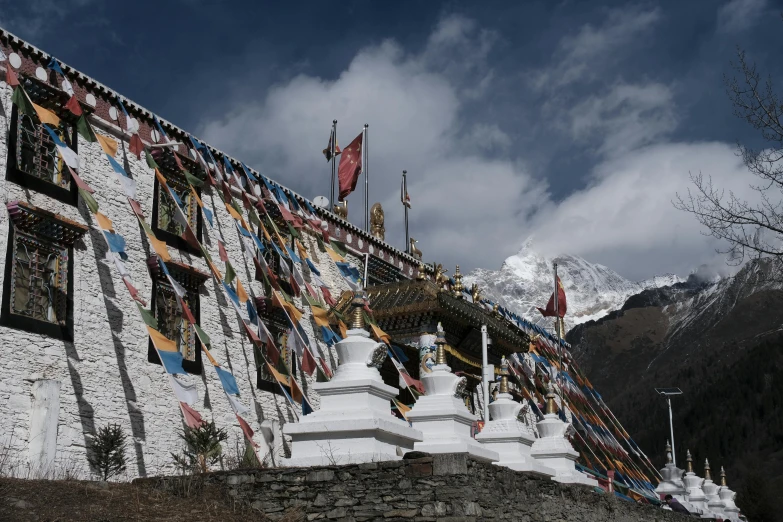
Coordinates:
[449,487]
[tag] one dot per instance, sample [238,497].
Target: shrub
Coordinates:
[108,452]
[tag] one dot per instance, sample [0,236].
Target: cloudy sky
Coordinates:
[573,122]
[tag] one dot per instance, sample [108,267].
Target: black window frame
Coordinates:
[64,332]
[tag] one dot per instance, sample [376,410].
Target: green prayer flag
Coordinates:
[22,102]
[85,130]
[281,366]
[286,296]
[292,230]
[193,180]
[150,160]
[202,335]
[147,316]
[339,247]
[89,200]
[147,228]
[320,375]
[230,274]
[205,253]
[368,318]
[254,219]
[236,207]
[321,245]
[310,301]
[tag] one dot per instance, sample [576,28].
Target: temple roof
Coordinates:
[409,308]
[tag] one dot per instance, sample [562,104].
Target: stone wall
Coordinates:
[440,487]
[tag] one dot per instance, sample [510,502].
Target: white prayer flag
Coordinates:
[187,393]
[238,407]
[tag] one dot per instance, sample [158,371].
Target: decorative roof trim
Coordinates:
[47,224]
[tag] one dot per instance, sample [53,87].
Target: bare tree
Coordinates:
[752,230]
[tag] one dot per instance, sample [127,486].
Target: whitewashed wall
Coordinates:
[104,374]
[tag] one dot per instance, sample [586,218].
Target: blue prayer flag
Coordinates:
[279,252]
[53,65]
[117,167]
[248,173]
[243,230]
[172,362]
[293,255]
[295,204]
[251,312]
[400,354]
[122,106]
[228,381]
[306,409]
[208,215]
[312,267]
[231,294]
[158,125]
[116,244]
[227,163]
[259,244]
[309,207]
[281,197]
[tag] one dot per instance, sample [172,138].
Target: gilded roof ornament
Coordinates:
[689,461]
[458,287]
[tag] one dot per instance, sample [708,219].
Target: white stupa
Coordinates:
[671,483]
[730,509]
[693,491]
[713,502]
[354,423]
[509,436]
[441,415]
[553,449]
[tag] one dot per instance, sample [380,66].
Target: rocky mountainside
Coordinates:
[721,342]
[525,281]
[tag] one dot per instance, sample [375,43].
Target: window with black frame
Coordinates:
[33,159]
[168,313]
[38,286]
[168,224]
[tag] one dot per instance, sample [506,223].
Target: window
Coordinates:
[164,208]
[168,314]
[33,160]
[38,287]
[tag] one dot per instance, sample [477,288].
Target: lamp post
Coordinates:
[669,393]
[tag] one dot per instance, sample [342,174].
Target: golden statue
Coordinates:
[440,274]
[475,293]
[341,209]
[415,252]
[376,222]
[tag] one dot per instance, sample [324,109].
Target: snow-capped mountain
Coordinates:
[525,281]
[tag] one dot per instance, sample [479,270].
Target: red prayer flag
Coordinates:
[136,207]
[413,383]
[79,182]
[350,166]
[73,106]
[561,302]
[10,77]
[247,431]
[308,362]
[294,286]
[179,161]
[325,368]
[296,393]
[328,296]
[192,417]
[222,250]
[133,292]
[271,352]
[186,313]
[136,146]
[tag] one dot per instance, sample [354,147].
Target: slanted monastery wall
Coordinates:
[441,487]
[103,375]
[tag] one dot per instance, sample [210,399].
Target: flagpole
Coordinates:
[405,205]
[366,182]
[557,324]
[334,163]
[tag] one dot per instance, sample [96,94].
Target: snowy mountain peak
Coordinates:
[526,280]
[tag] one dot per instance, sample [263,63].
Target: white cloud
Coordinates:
[738,15]
[473,200]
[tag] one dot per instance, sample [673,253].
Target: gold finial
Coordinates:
[722,476]
[495,310]
[440,342]
[458,288]
[357,315]
[421,276]
[707,474]
[503,375]
[475,293]
[376,222]
[689,461]
[551,406]
[341,209]
[668,453]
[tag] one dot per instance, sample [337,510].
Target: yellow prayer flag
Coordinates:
[46,116]
[301,249]
[161,177]
[294,312]
[343,329]
[266,234]
[104,222]
[215,270]
[108,145]
[160,248]
[334,255]
[209,355]
[160,341]
[198,199]
[319,315]
[243,298]
[380,334]
[402,408]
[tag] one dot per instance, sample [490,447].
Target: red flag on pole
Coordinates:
[561,302]
[350,166]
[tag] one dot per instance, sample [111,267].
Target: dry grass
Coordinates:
[66,500]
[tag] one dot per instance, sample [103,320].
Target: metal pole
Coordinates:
[557,324]
[484,364]
[334,162]
[405,205]
[366,182]
[366,264]
[671,429]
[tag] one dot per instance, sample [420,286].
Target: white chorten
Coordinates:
[441,415]
[672,478]
[507,435]
[713,502]
[693,491]
[553,449]
[354,423]
[730,509]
